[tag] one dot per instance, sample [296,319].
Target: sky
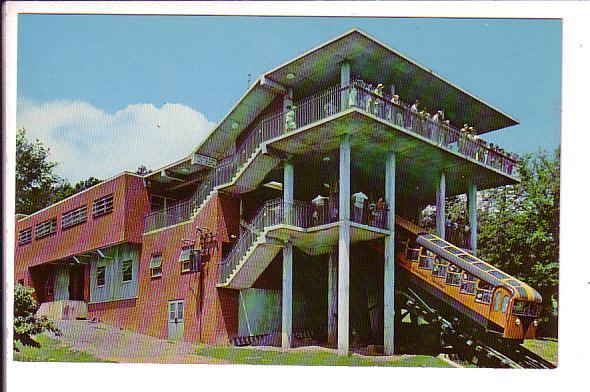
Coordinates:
[111,93]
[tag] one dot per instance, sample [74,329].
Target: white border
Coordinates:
[575,280]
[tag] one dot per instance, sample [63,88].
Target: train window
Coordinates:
[484,292]
[498,301]
[468,284]
[468,258]
[440,243]
[483,266]
[453,276]
[513,282]
[413,254]
[454,250]
[426,259]
[505,303]
[440,267]
[521,291]
[498,275]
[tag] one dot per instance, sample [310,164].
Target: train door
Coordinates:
[175,320]
[499,306]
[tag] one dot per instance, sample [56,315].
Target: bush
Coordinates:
[26,322]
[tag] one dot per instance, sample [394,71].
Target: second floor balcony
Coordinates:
[358,96]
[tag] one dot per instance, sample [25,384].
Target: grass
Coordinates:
[253,356]
[52,350]
[547,348]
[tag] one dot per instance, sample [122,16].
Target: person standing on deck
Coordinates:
[358,202]
[414,113]
[376,101]
[436,125]
[290,124]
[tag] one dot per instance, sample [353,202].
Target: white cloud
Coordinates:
[87,141]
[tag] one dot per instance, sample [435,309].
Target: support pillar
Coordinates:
[440,206]
[472,207]
[333,298]
[287,297]
[389,269]
[344,82]
[288,191]
[344,247]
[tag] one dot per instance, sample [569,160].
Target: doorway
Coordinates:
[176,320]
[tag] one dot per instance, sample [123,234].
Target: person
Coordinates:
[319,211]
[470,151]
[358,203]
[290,124]
[396,111]
[446,131]
[449,227]
[482,150]
[352,96]
[376,101]
[491,155]
[414,114]
[510,164]
[368,100]
[436,125]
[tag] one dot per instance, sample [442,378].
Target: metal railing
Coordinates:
[177,213]
[299,214]
[334,100]
[445,135]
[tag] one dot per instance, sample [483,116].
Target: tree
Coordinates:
[518,229]
[26,323]
[64,189]
[34,175]
[143,170]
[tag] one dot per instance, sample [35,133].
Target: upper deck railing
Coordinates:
[332,101]
[298,214]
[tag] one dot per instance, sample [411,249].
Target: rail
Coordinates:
[334,100]
[299,214]
[177,213]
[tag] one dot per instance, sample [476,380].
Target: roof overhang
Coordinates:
[370,60]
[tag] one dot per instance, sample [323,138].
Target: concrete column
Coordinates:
[440,206]
[344,248]
[287,297]
[472,207]
[344,81]
[288,191]
[389,268]
[332,297]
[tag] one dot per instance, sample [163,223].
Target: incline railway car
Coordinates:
[497,301]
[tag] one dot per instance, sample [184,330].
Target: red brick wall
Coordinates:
[124,224]
[220,307]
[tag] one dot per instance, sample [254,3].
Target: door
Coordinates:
[175,320]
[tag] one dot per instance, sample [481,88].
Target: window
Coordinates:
[25,236]
[484,292]
[413,254]
[102,206]
[186,263]
[46,228]
[101,271]
[468,284]
[156,265]
[426,259]
[73,217]
[453,276]
[440,267]
[498,275]
[127,270]
[525,308]
[497,301]
[49,284]
[483,266]
[505,303]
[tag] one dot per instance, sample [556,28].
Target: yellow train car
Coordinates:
[499,302]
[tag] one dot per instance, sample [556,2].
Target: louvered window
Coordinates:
[102,206]
[46,228]
[73,217]
[25,236]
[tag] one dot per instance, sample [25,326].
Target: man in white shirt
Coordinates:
[320,213]
[358,204]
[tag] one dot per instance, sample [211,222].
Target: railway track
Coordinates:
[482,351]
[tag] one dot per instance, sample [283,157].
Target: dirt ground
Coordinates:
[112,344]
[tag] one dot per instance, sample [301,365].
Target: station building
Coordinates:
[281,225]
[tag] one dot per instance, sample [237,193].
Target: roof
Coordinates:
[370,60]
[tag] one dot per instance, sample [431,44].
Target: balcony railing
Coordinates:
[299,214]
[330,102]
[177,213]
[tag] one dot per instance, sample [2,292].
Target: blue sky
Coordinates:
[109,93]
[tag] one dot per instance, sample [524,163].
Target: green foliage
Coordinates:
[34,175]
[143,170]
[26,322]
[36,185]
[519,229]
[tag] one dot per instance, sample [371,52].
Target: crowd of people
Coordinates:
[363,210]
[434,127]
